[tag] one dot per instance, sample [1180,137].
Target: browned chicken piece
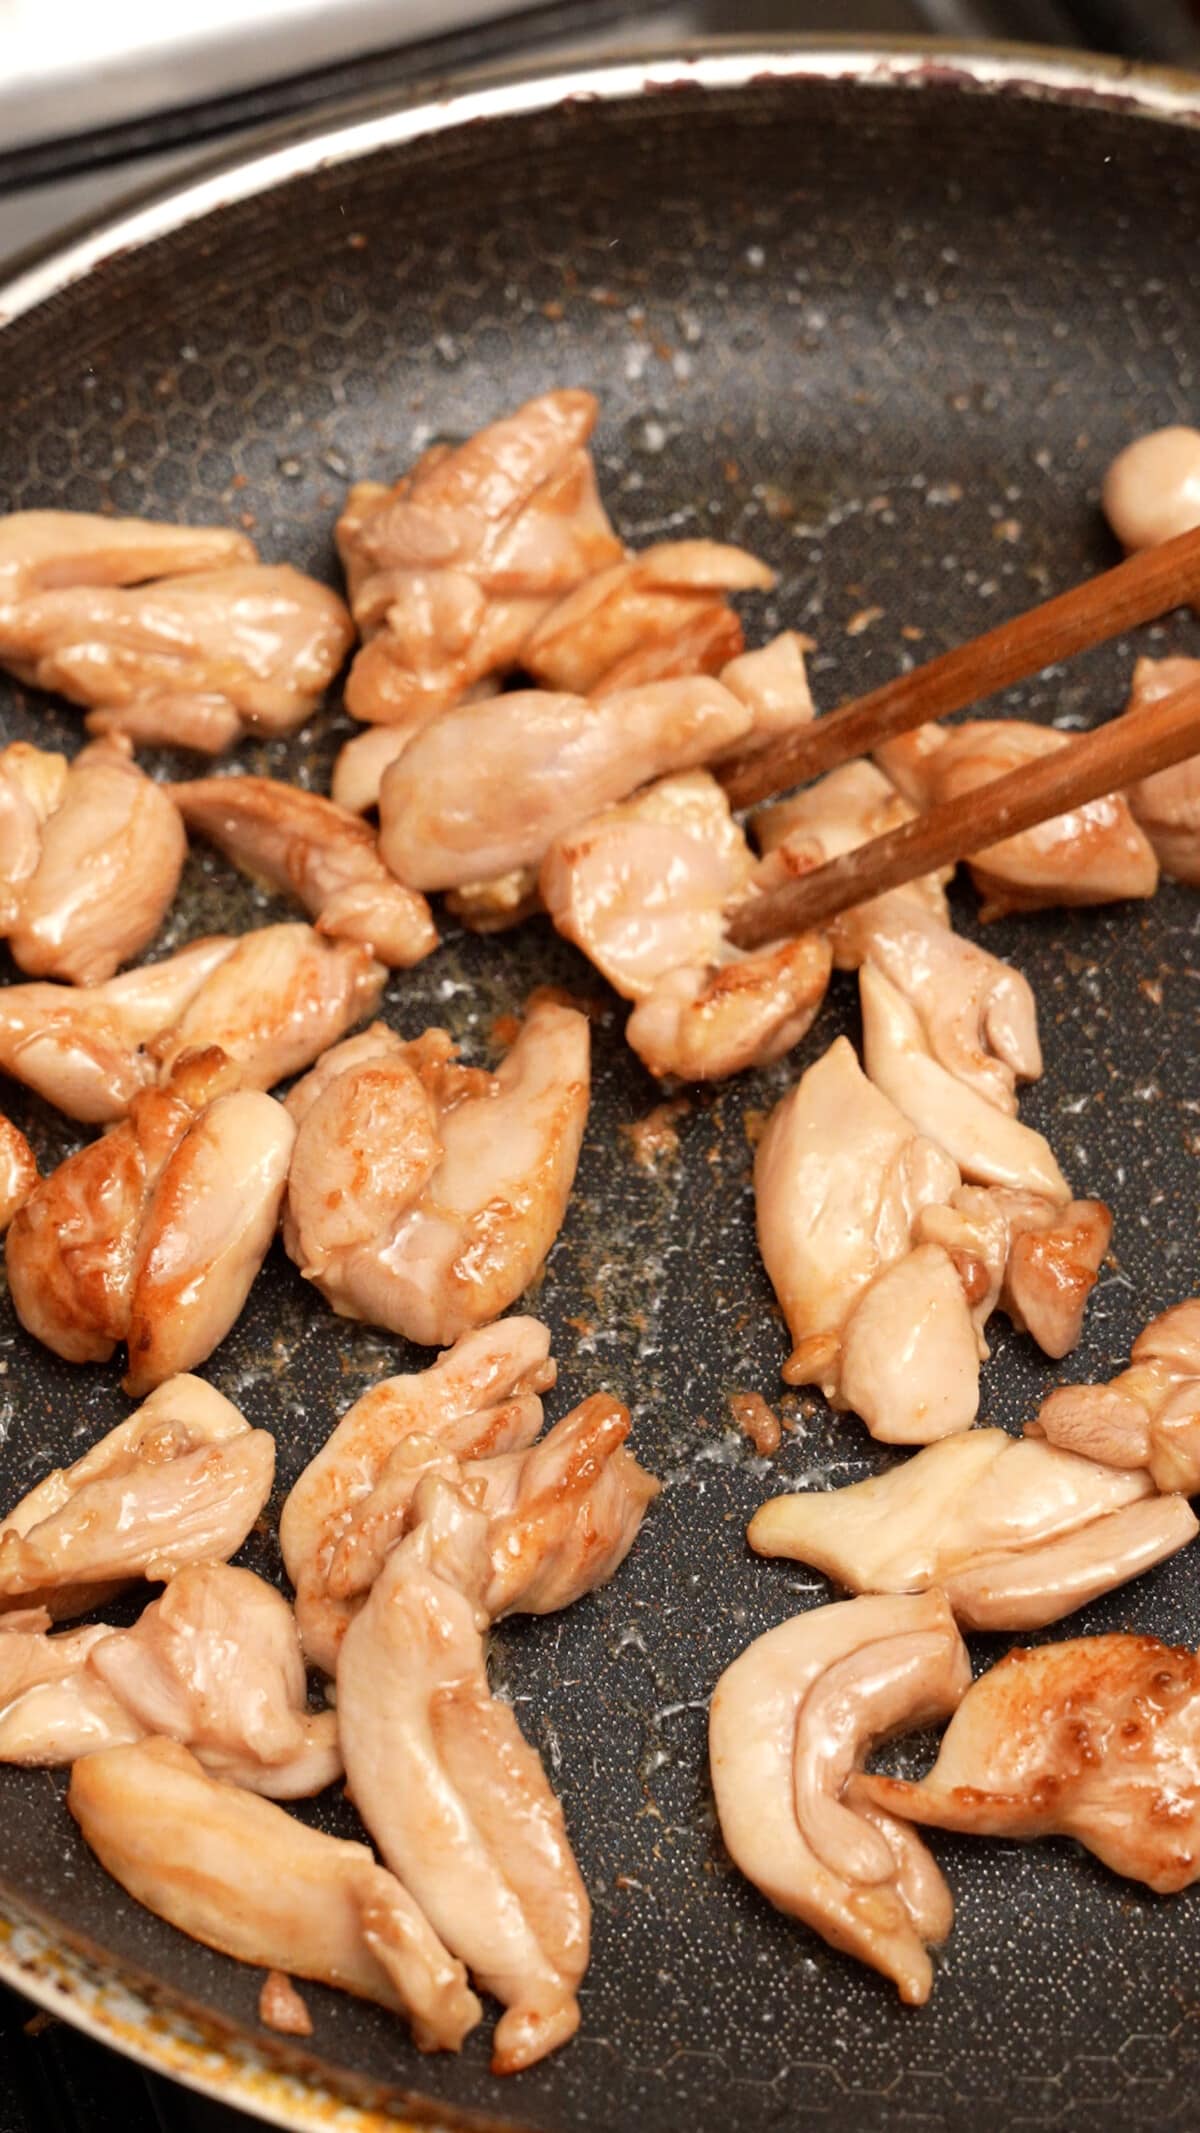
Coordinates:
[153,1234]
[449,570]
[1094,855]
[214,1664]
[86,1051]
[741,1011]
[242,1875]
[18,1171]
[1148,1416]
[652,617]
[789,1722]
[1152,489]
[276,1002]
[1015,1534]
[1025,1254]
[168,634]
[451,1214]
[181,1481]
[1167,805]
[108,855]
[445,805]
[314,850]
[452,1793]
[1095,1739]
[480,1399]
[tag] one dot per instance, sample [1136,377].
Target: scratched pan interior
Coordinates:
[887,333]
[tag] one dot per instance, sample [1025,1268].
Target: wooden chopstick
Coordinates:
[1138,590]
[1150,738]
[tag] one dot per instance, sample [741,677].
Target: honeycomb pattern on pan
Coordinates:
[890,340]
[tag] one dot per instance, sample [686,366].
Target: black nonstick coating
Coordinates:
[888,334]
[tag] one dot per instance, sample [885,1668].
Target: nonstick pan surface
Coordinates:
[884,320]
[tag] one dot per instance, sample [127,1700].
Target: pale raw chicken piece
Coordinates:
[701,1024]
[85,1051]
[44,551]
[452,1793]
[277,1001]
[480,1399]
[836,814]
[316,851]
[654,616]
[445,1231]
[181,1481]
[18,1171]
[110,855]
[1152,489]
[1148,1416]
[1167,805]
[154,1233]
[1096,854]
[52,1707]
[450,569]
[788,1723]
[989,1145]
[772,681]
[1097,1738]
[840,1177]
[243,1876]
[194,659]
[446,804]
[360,764]
[1016,1534]
[1033,1257]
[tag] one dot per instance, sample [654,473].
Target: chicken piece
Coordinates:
[450,569]
[650,618]
[1095,1738]
[445,804]
[181,1481]
[1147,1417]
[465,1190]
[46,551]
[772,681]
[276,1002]
[243,1876]
[109,858]
[193,659]
[1167,805]
[493,906]
[18,1171]
[360,764]
[1016,1534]
[479,1399]
[989,1145]
[1034,1258]
[1152,489]
[52,1707]
[703,1023]
[85,1051]
[304,844]
[977,1014]
[788,1723]
[154,1233]
[32,783]
[457,1800]
[1094,855]
[838,813]
[282,2008]
[840,1177]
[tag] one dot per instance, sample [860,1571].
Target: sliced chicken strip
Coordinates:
[245,1877]
[474,1190]
[45,551]
[788,1723]
[18,1171]
[1167,805]
[977,1014]
[458,1802]
[249,647]
[304,844]
[111,853]
[444,810]
[1152,489]
[656,615]
[1095,1739]
[1148,1417]
[1016,1534]
[181,1481]
[1094,855]
[84,1051]
[276,1002]
[478,1400]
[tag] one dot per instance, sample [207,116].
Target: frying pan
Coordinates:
[883,316]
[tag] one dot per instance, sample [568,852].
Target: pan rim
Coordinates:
[37,1959]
